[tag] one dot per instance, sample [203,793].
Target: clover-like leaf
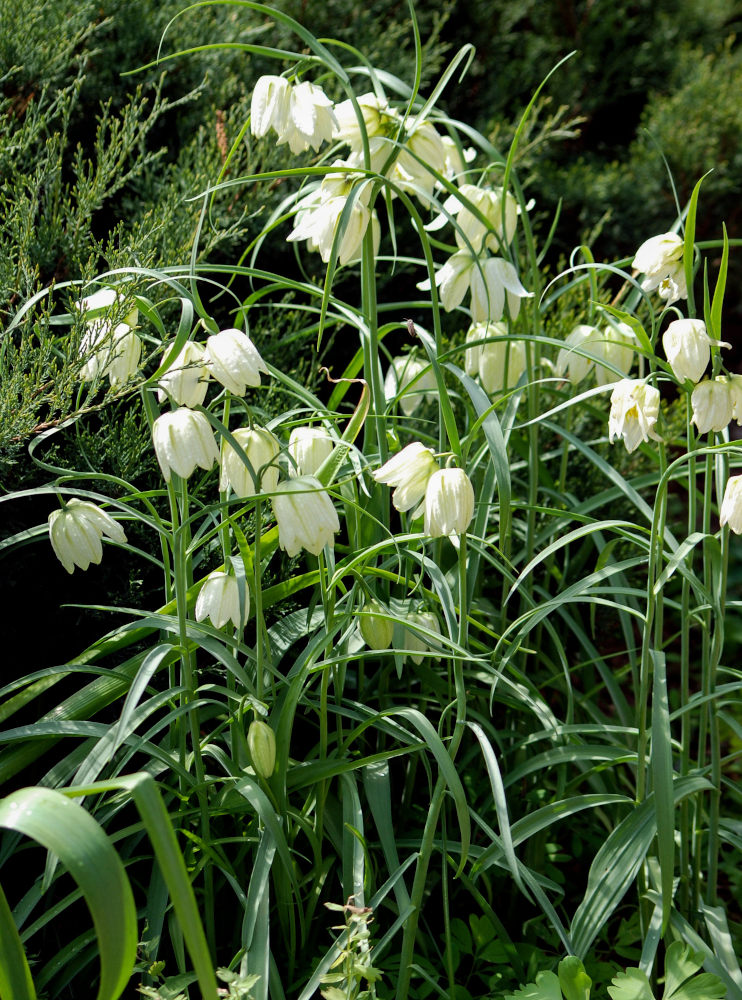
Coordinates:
[546,987]
[630,985]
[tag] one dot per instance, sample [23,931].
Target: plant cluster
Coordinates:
[413,617]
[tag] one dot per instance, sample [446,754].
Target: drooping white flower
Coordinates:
[713,404]
[183,439]
[635,407]
[731,505]
[219,601]
[75,533]
[261,449]
[311,120]
[449,503]
[660,259]
[377,118]
[112,351]
[101,303]
[408,472]
[491,280]
[305,514]
[688,348]
[423,151]
[234,361]
[415,643]
[735,391]
[498,364]
[186,380]
[588,349]
[269,106]
[308,449]
[407,370]
[375,625]
[318,220]
[491,203]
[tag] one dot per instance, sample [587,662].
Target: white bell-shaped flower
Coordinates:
[183,439]
[269,107]
[688,348]
[498,364]
[713,404]
[731,505]
[305,514]
[660,259]
[219,601]
[408,472]
[449,503]
[408,371]
[308,449]
[311,119]
[75,533]
[234,361]
[261,449]
[588,349]
[422,152]
[491,203]
[112,351]
[186,380]
[635,407]
[377,118]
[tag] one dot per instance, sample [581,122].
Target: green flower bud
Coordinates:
[261,742]
[376,628]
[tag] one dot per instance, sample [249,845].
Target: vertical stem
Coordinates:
[182,572]
[431,823]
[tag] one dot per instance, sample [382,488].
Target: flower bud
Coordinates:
[713,404]
[375,626]
[449,503]
[262,449]
[75,533]
[308,449]
[261,742]
[731,505]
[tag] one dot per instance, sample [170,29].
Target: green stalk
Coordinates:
[685,722]
[426,845]
[654,617]
[182,572]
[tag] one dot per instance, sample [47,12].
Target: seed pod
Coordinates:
[261,742]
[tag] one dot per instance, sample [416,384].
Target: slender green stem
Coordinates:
[188,680]
[436,803]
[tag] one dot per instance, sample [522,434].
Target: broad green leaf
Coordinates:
[721,281]
[630,985]
[573,979]
[65,829]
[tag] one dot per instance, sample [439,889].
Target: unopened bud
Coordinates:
[261,742]
[376,628]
